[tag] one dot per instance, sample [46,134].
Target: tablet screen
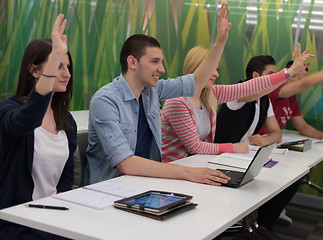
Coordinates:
[153,200]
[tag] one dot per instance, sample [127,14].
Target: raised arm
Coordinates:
[297,67]
[207,67]
[227,93]
[47,78]
[299,64]
[260,94]
[296,85]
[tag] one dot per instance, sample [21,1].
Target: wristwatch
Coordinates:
[288,76]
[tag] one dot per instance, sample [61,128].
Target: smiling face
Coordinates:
[150,67]
[63,74]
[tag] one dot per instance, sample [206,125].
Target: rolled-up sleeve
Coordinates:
[110,132]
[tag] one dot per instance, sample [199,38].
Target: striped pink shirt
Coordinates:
[179,133]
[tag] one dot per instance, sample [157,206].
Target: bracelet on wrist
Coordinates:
[288,76]
[49,76]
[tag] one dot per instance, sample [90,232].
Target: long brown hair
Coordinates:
[192,60]
[36,53]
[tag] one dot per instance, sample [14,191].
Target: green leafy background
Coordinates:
[96,30]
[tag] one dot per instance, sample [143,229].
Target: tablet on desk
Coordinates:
[154,201]
[287,144]
[299,145]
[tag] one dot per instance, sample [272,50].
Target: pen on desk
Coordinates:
[47,207]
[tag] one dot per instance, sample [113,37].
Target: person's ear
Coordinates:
[255,74]
[34,70]
[132,62]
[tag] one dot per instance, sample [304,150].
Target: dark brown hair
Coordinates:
[136,45]
[36,53]
[258,64]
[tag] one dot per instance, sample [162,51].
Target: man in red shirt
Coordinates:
[286,107]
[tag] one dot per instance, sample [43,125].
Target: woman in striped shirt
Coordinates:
[189,123]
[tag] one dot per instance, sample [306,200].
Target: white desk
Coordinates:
[218,208]
[307,159]
[82,120]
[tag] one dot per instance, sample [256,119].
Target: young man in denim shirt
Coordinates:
[124,121]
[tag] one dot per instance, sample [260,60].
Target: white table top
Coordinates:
[218,208]
[81,119]
[308,159]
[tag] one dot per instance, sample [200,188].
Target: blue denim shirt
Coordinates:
[113,121]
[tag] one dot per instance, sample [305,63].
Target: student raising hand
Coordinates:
[37,132]
[48,74]
[58,36]
[223,26]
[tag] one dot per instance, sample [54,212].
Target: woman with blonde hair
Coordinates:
[189,123]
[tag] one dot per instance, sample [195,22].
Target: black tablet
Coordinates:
[154,201]
[288,144]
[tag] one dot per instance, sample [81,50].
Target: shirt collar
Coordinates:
[128,93]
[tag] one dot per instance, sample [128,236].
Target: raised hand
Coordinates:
[223,25]
[48,76]
[58,36]
[206,68]
[296,53]
[299,60]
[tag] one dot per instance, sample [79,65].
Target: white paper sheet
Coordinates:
[114,189]
[280,151]
[88,198]
[98,196]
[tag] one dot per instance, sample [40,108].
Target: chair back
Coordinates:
[82,142]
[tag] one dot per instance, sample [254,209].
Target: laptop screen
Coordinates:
[260,158]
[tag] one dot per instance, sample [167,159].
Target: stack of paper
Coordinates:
[98,196]
[275,150]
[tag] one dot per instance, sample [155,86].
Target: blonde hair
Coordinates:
[192,60]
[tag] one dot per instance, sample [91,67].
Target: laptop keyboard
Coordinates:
[234,175]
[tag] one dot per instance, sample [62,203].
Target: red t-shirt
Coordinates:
[284,108]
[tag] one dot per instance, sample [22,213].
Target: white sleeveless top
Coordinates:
[50,156]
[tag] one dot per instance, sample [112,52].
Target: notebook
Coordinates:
[241,177]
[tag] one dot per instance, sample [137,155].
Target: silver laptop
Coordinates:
[239,178]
